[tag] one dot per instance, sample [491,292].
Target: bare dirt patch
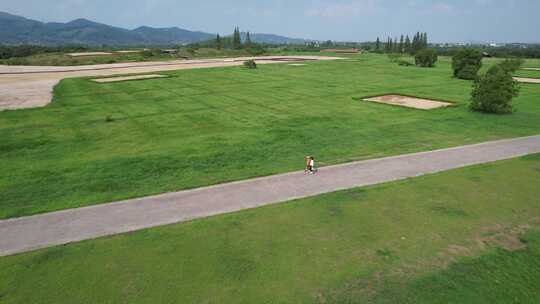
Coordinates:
[125,78]
[89,54]
[504,237]
[130,51]
[459,250]
[527,80]
[409,102]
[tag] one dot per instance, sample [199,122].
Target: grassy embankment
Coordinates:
[433,239]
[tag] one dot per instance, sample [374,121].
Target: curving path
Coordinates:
[29,233]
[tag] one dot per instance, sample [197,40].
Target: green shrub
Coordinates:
[493,92]
[426,58]
[394,57]
[257,50]
[192,50]
[147,53]
[404,63]
[511,65]
[466,63]
[250,64]
[17,61]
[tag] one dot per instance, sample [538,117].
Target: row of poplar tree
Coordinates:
[236,40]
[404,44]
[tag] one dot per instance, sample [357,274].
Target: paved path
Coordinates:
[29,233]
[527,80]
[32,86]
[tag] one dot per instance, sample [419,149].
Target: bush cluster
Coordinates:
[466,63]
[250,64]
[511,65]
[426,58]
[402,62]
[493,92]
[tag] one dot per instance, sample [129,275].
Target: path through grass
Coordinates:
[104,142]
[337,247]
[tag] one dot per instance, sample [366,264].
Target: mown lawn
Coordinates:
[500,276]
[201,127]
[528,73]
[389,243]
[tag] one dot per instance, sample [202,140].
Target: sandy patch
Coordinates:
[527,80]
[409,102]
[89,54]
[31,86]
[129,51]
[124,78]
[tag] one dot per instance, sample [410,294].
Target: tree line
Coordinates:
[232,42]
[17,51]
[523,51]
[403,45]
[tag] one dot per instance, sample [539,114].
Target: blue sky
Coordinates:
[351,20]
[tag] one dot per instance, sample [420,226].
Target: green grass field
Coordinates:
[431,239]
[527,73]
[202,127]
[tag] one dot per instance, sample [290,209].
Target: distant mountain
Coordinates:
[171,35]
[20,30]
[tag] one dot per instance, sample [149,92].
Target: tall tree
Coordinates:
[218,42]
[247,43]
[401,43]
[237,41]
[416,42]
[378,44]
[408,44]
